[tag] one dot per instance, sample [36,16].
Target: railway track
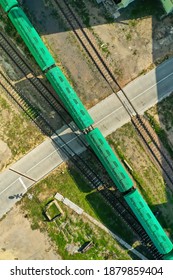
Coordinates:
[154,147]
[157,151]
[115,198]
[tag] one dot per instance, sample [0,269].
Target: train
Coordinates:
[84,121]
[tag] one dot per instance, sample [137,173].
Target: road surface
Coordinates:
[144,92]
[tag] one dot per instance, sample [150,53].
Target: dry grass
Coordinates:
[16,130]
[149,180]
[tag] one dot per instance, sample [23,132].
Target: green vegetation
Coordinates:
[163,126]
[165,109]
[12,32]
[161,119]
[146,8]
[161,133]
[71,230]
[4,104]
[82,10]
[103,46]
[52,210]
[133,22]
[6,23]
[149,181]
[17,130]
[90,200]
[128,36]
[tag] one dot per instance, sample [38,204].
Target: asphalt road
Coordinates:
[15,181]
[109,114]
[144,92]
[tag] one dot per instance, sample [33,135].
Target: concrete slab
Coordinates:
[73,206]
[59,197]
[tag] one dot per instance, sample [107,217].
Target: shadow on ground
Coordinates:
[48,22]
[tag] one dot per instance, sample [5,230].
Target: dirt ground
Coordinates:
[139,36]
[18,135]
[19,241]
[5,154]
[162,113]
[136,41]
[70,57]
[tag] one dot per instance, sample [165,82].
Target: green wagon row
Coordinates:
[149,222]
[31,38]
[69,98]
[169,256]
[109,160]
[8,4]
[80,115]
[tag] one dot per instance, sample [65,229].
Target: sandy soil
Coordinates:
[18,135]
[19,241]
[5,154]
[135,43]
[83,75]
[162,114]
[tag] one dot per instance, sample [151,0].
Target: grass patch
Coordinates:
[16,129]
[71,231]
[82,11]
[71,185]
[11,31]
[128,36]
[102,46]
[161,133]
[149,181]
[146,8]
[69,234]
[52,210]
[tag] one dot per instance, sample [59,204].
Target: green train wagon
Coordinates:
[83,120]
[109,160]
[149,222]
[31,38]
[168,257]
[8,4]
[69,98]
